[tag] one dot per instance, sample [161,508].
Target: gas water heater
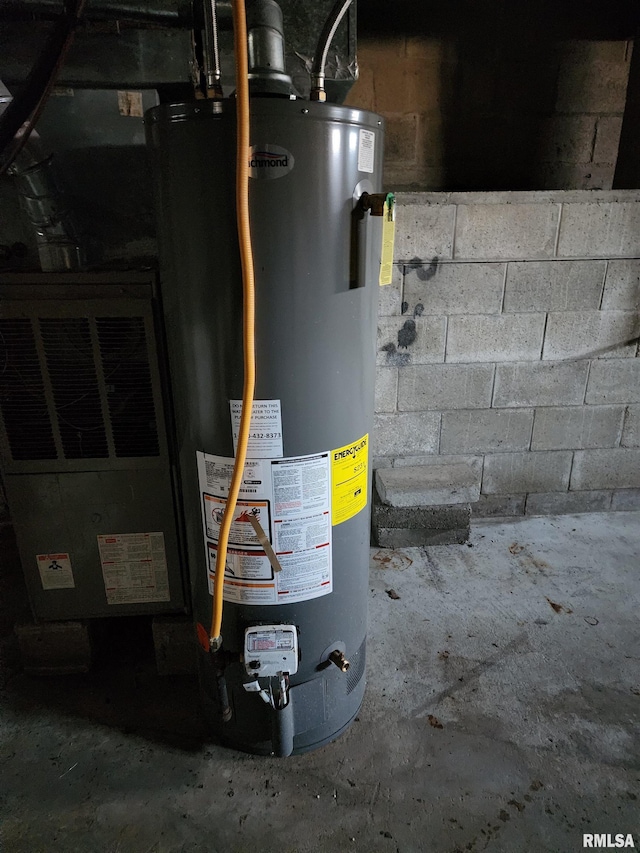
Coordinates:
[290,675]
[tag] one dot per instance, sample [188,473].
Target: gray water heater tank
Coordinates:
[307,481]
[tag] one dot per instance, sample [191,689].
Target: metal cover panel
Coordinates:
[65,513]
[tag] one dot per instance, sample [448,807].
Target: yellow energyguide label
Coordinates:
[388,239]
[349,479]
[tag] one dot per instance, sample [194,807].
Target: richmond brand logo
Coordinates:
[269,161]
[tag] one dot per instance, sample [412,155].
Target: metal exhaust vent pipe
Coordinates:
[60,244]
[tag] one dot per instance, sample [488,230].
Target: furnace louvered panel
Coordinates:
[74,383]
[22,395]
[127,376]
[85,380]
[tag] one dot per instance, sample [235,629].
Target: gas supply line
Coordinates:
[248,324]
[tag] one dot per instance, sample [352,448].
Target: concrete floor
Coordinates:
[502,714]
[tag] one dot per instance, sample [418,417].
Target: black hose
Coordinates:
[326,37]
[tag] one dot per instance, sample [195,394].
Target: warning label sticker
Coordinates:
[366,151]
[349,480]
[280,539]
[134,567]
[302,502]
[242,531]
[55,571]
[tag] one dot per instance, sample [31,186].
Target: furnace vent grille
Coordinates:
[77,388]
[76,395]
[22,396]
[125,362]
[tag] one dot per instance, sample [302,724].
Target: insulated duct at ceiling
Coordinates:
[140,45]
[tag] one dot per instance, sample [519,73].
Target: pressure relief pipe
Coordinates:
[248,323]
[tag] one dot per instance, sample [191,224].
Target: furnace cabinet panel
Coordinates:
[84,441]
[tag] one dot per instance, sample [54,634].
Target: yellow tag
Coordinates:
[388,239]
[349,478]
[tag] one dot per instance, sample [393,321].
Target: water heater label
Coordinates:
[267,161]
[349,479]
[366,151]
[265,431]
[290,499]
[55,571]
[134,567]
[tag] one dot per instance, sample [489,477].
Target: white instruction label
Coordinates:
[55,571]
[265,431]
[290,500]
[134,567]
[366,151]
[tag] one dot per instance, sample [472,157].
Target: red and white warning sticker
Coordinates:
[55,571]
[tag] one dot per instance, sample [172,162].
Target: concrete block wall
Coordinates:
[488,109]
[508,341]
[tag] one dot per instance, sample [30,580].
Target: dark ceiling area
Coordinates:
[563,19]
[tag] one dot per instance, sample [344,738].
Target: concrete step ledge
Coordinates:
[438,484]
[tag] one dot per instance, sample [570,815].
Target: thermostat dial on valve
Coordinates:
[270,650]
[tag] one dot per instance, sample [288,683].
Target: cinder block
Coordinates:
[406,85]
[607,139]
[514,473]
[567,139]
[626,500]
[401,138]
[407,527]
[622,286]
[600,230]
[484,337]
[504,231]
[390,295]
[423,231]
[538,384]
[451,288]
[564,503]
[597,86]
[606,469]
[410,340]
[577,427]
[363,94]
[428,485]
[631,431]
[498,506]
[386,389]
[614,381]
[395,537]
[175,644]
[54,648]
[574,176]
[473,462]
[381,462]
[445,386]
[588,52]
[554,285]
[406,433]
[485,431]
[584,334]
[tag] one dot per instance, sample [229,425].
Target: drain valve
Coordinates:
[340,660]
